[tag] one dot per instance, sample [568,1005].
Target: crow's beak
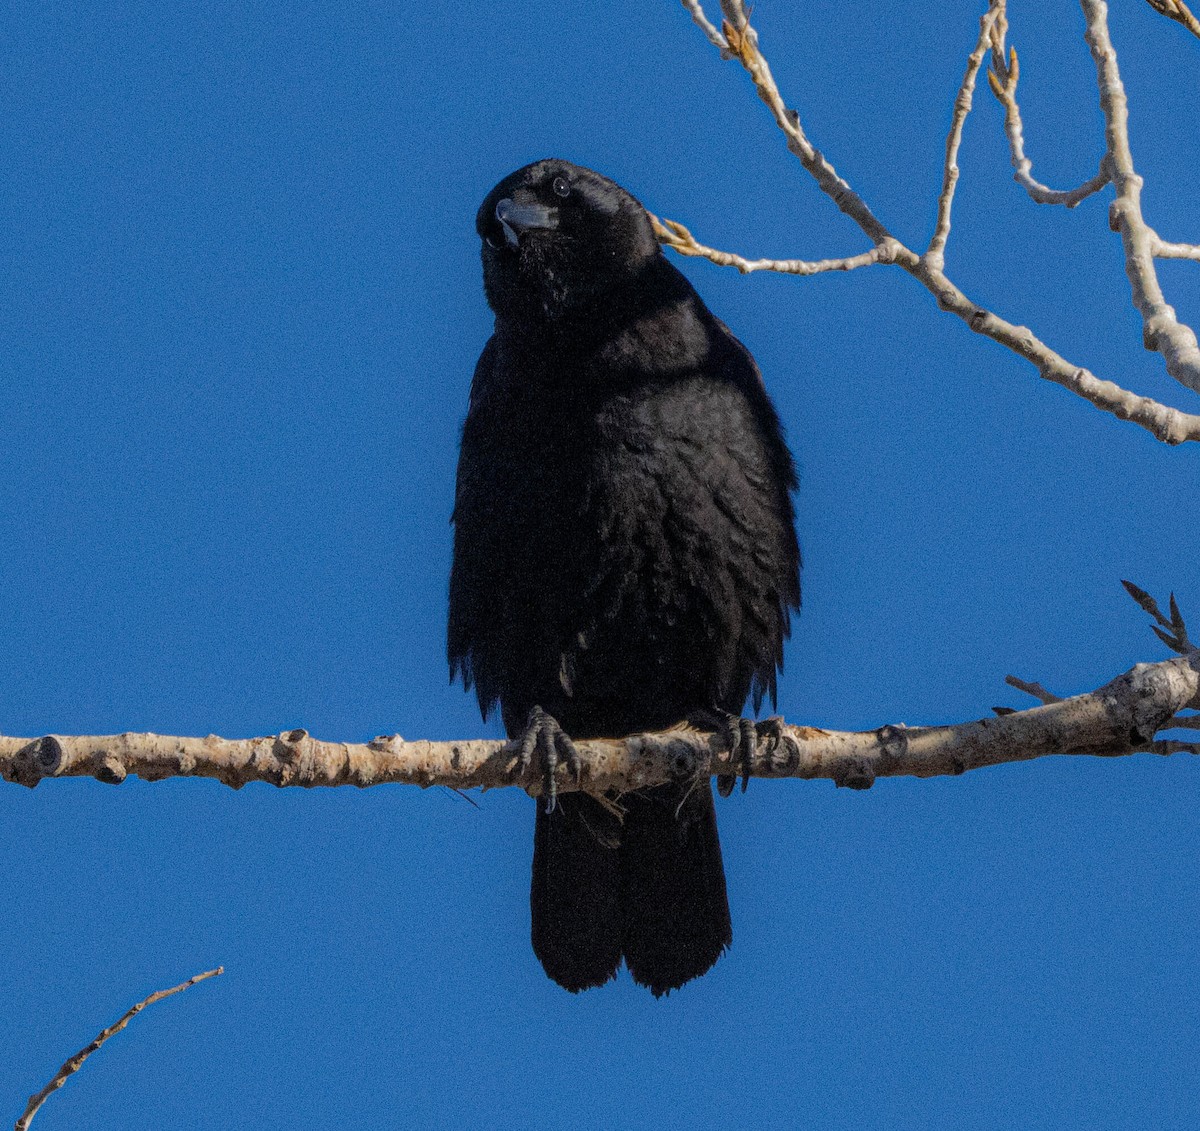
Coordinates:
[516,219]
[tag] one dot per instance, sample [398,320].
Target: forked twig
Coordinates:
[1175,635]
[1003,78]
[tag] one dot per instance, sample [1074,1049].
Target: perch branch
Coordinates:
[1166,423]
[1122,717]
[76,1062]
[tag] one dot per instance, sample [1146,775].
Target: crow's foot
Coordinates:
[773,734]
[740,736]
[545,738]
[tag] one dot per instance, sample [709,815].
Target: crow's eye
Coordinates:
[561,186]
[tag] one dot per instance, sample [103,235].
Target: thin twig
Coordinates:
[1003,78]
[1177,10]
[702,21]
[1034,689]
[1164,250]
[935,255]
[1172,632]
[76,1062]
[675,236]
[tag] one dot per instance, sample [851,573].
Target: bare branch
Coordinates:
[675,236]
[1175,635]
[935,255]
[1184,722]
[1164,422]
[1177,10]
[1003,77]
[1161,330]
[1171,746]
[1164,250]
[743,46]
[1034,689]
[702,21]
[76,1062]
[1119,718]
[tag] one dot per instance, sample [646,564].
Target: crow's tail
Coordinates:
[650,888]
[574,894]
[674,912]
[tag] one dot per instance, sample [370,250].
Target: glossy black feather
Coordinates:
[624,555]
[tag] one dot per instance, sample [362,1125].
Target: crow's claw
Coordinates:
[740,736]
[772,734]
[545,738]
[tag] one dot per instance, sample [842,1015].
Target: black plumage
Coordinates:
[624,555]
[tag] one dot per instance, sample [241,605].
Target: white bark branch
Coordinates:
[705,25]
[76,1062]
[1178,11]
[1164,250]
[1003,78]
[935,254]
[1166,423]
[675,236]
[1122,717]
[1161,330]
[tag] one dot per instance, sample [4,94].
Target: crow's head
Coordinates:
[560,241]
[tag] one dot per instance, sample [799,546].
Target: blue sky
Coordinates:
[241,308]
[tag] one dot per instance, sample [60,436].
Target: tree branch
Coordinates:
[1161,330]
[1122,717]
[1034,689]
[1003,77]
[935,254]
[1164,250]
[76,1062]
[675,236]
[1177,10]
[1164,422]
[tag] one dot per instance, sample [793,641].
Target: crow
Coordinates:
[625,557]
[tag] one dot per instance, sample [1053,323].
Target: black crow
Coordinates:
[624,557]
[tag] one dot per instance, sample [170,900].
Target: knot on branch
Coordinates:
[681,759]
[894,740]
[1158,324]
[1118,213]
[108,769]
[853,773]
[295,755]
[41,758]
[888,250]
[1154,703]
